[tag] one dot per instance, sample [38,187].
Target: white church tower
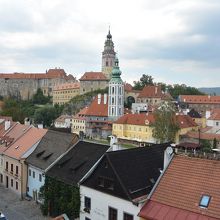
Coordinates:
[116,93]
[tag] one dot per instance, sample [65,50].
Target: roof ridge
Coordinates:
[119,179]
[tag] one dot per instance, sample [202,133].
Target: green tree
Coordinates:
[45,115]
[40,98]
[206,146]
[60,198]
[165,126]
[182,89]
[145,80]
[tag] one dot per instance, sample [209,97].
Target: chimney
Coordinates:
[155,89]
[40,126]
[167,156]
[27,121]
[207,114]
[105,98]
[7,125]
[99,98]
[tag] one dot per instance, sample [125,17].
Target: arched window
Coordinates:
[106,63]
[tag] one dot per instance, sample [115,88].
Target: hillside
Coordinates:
[80,101]
[211,90]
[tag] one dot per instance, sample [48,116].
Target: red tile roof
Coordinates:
[93,76]
[128,87]
[215,114]
[66,86]
[151,92]
[136,119]
[185,121]
[81,113]
[200,99]
[25,142]
[203,136]
[51,73]
[182,186]
[96,109]
[158,211]
[62,118]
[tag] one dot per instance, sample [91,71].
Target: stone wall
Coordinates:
[25,88]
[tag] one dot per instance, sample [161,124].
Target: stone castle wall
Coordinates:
[25,88]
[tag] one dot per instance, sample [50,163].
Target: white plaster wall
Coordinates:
[34,183]
[210,123]
[100,203]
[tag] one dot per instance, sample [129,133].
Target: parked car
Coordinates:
[2,216]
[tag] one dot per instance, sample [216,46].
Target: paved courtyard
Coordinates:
[15,209]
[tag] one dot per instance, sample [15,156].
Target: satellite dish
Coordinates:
[169,150]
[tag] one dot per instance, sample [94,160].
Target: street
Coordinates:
[15,209]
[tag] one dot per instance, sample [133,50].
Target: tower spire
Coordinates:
[108,55]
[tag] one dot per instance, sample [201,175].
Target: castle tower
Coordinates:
[108,56]
[116,93]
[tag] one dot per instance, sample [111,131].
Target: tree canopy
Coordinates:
[60,198]
[40,98]
[145,80]
[165,126]
[174,90]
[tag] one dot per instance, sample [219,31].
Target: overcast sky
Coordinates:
[175,41]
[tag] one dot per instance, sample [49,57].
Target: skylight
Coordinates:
[204,202]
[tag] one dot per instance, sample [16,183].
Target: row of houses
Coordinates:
[153,182]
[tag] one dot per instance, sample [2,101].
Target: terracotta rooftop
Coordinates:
[51,73]
[136,119]
[62,118]
[66,86]
[31,136]
[200,99]
[93,76]
[215,114]
[96,109]
[151,92]
[185,121]
[15,131]
[181,188]
[203,136]
[81,113]
[128,87]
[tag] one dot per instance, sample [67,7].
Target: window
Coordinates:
[29,172]
[11,182]
[87,204]
[217,123]
[40,177]
[127,216]
[33,174]
[112,214]
[16,185]
[6,165]
[11,168]
[87,218]
[204,202]
[16,169]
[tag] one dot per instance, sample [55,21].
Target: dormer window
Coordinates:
[204,202]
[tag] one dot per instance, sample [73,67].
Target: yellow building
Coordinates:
[186,124]
[64,92]
[79,122]
[134,127]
